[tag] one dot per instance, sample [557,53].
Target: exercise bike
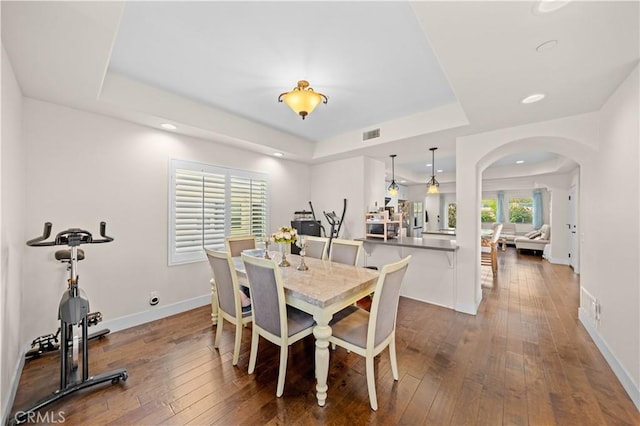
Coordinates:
[334,221]
[74,316]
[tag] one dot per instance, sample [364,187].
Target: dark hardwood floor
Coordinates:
[524,359]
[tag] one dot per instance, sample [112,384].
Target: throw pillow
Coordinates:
[534,235]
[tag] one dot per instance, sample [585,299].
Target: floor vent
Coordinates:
[371,134]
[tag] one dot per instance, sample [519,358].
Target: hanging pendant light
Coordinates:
[303,99]
[393,188]
[433,184]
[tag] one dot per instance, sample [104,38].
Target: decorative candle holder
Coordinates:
[302,244]
[283,255]
[266,248]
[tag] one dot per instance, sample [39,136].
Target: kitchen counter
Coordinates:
[432,273]
[451,232]
[419,243]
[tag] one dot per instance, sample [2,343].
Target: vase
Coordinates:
[283,255]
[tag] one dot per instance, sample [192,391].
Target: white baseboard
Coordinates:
[558,261]
[625,379]
[7,404]
[155,313]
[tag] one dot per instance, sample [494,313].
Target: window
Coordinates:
[207,203]
[520,210]
[451,215]
[488,211]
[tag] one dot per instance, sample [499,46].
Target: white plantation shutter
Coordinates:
[248,206]
[208,203]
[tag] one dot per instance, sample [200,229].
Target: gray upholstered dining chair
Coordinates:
[316,247]
[345,251]
[272,319]
[369,333]
[228,296]
[235,245]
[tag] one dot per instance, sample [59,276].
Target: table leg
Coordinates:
[322,332]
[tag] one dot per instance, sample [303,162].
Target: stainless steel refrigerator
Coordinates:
[413,217]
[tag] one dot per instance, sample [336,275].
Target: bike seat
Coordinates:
[65,255]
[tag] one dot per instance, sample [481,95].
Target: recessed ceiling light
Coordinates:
[519,161]
[168,126]
[429,164]
[440,171]
[533,98]
[278,154]
[547,45]
[541,7]
[403,181]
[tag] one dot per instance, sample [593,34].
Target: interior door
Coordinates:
[572,216]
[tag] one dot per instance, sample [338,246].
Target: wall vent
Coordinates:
[590,304]
[370,134]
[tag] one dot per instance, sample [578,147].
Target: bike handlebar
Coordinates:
[70,237]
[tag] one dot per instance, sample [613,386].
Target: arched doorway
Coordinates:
[574,138]
[509,187]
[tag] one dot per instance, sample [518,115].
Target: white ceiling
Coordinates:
[422,72]
[240,56]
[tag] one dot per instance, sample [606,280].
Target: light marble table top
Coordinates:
[324,284]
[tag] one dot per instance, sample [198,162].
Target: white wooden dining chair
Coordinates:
[345,251]
[272,319]
[316,247]
[228,298]
[235,245]
[369,333]
[489,249]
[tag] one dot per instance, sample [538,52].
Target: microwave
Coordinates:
[378,229]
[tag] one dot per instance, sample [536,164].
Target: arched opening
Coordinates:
[527,191]
[576,141]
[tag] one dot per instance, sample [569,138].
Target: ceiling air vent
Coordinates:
[371,134]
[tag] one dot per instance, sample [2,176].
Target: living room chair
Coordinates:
[345,251]
[228,298]
[275,321]
[489,251]
[235,245]
[369,333]
[317,247]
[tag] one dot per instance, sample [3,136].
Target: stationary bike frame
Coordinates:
[73,310]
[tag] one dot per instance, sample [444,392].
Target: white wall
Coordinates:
[84,168]
[13,191]
[610,272]
[373,192]
[334,181]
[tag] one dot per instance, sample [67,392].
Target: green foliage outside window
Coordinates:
[521,210]
[488,211]
[451,215]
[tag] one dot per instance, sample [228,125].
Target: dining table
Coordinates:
[322,290]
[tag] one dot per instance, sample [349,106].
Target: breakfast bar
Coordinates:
[432,273]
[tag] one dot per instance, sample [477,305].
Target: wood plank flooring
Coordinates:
[523,360]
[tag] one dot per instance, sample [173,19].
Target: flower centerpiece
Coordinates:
[284,236]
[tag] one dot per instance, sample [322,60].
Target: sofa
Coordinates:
[534,240]
[508,233]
